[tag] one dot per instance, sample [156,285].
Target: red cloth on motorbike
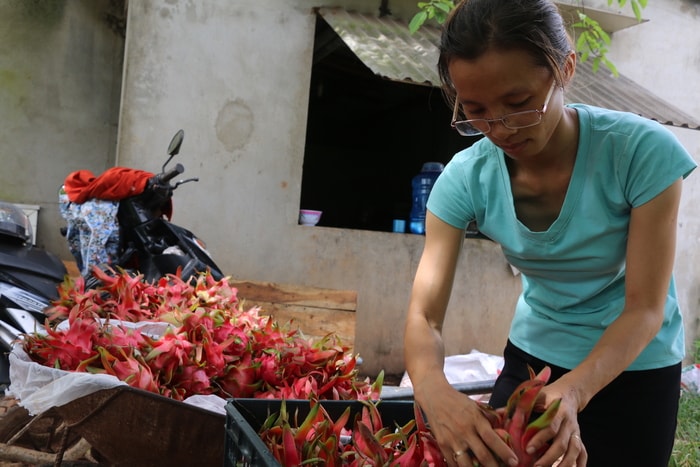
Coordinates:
[114,184]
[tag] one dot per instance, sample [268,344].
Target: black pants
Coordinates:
[630,422]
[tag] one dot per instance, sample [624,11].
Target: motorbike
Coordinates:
[29,280]
[134,232]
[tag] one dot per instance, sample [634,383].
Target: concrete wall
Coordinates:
[60,80]
[235,76]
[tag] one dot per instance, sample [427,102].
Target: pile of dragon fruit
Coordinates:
[317,440]
[212,346]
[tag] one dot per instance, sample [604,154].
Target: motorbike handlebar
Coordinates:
[165,177]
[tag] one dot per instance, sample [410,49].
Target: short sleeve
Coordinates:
[654,161]
[450,198]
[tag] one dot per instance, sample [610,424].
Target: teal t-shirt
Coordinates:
[573,273]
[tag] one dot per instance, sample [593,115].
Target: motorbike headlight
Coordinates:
[15,223]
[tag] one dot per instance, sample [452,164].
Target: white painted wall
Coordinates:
[662,53]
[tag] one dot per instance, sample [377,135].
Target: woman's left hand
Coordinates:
[567,448]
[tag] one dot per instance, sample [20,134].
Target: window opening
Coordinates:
[366,138]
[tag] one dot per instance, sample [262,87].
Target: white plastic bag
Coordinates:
[472,367]
[210,402]
[690,378]
[38,387]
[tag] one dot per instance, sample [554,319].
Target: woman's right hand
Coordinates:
[463,432]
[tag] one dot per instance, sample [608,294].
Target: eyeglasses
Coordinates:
[514,121]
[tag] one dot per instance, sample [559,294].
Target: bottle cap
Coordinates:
[432,167]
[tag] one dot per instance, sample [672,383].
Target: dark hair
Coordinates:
[476,26]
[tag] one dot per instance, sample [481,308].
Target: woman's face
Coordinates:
[503,82]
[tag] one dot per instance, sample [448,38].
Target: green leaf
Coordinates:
[611,66]
[441,16]
[417,21]
[637,10]
[581,41]
[445,6]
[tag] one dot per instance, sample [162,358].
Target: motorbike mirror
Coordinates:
[176,142]
[174,146]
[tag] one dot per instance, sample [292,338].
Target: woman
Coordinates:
[584,203]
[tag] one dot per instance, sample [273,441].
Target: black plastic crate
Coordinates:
[244,417]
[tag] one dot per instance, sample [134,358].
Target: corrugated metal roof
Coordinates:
[621,93]
[386,47]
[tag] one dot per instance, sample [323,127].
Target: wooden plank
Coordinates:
[312,322]
[292,294]
[315,311]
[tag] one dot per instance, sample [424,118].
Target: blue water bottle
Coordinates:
[422,184]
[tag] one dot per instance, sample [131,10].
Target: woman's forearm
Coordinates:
[619,346]
[424,354]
